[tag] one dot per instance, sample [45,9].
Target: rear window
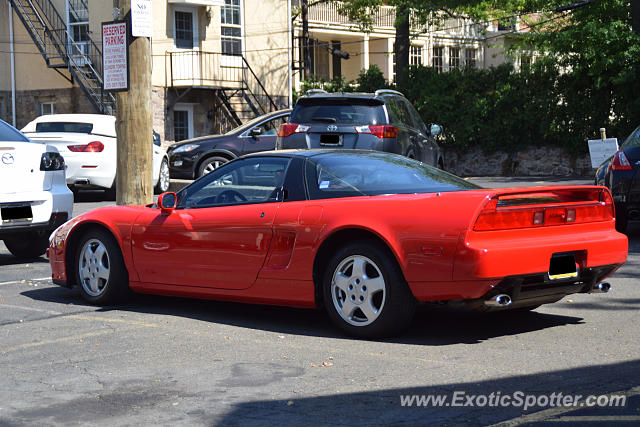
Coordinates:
[340,111]
[69,127]
[9,133]
[632,140]
[369,174]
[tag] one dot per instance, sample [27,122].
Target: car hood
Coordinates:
[199,140]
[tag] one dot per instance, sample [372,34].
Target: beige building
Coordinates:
[216,63]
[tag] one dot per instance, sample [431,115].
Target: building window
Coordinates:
[182,122]
[454,57]
[437,59]
[184,29]
[470,58]
[231,30]
[78,28]
[415,55]
[47,108]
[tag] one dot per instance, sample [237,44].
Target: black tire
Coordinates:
[210,164]
[99,269]
[110,193]
[388,292]
[621,222]
[163,179]
[28,245]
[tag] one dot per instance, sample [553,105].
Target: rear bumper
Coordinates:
[55,221]
[49,209]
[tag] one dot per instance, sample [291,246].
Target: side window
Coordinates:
[270,128]
[253,180]
[417,120]
[398,113]
[9,133]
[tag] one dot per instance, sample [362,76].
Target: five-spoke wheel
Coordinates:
[100,269]
[365,293]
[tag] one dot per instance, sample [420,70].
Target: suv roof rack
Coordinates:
[387,91]
[314,91]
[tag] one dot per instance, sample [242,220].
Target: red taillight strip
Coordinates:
[92,147]
[493,217]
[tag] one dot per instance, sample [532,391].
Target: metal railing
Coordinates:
[217,71]
[329,13]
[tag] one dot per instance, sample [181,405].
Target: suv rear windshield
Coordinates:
[348,111]
[69,127]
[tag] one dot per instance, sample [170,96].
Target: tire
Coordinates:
[163,178]
[210,164]
[99,269]
[110,193]
[621,222]
[28,245]
[373,301]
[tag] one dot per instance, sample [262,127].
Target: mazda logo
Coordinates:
[332,128]
[7,159]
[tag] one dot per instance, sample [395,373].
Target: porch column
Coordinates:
[390,60]
[365,59]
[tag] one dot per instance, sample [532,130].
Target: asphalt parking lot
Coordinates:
[171,361]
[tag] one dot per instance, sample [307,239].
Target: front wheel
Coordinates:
[365,293]
[164,178]
[28,245]
[100,269]
[210,164]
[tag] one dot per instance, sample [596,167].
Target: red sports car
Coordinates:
[365,234]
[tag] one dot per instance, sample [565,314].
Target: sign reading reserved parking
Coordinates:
[601,149]
[115,55]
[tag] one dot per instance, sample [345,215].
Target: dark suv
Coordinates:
[382,121]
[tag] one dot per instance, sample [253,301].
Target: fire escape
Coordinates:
[81,59]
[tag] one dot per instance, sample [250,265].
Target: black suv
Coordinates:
[382,121]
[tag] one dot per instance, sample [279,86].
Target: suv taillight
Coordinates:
[384,131]
[620,162]
[92,147]
[287,129]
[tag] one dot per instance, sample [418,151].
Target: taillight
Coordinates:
[383,131]
[620,162]
[495,217]
[92,147]
[287,129]
[51,161]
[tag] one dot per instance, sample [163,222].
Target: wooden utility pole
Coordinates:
[134,182]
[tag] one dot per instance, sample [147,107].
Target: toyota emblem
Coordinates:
[7,159]
[332,128]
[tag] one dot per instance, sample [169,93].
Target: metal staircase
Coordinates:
[82,59]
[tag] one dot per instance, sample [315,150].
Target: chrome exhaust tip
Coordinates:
[500,300]
[601,288]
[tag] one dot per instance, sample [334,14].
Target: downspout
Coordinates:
[290,53]
[13,66]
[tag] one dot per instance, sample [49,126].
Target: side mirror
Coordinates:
[435,129]
[255,132]
[167,202]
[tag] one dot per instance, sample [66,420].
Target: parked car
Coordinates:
[193,158]
[620,175]
[382,121]
[363,233]
[88,144]
[34,198]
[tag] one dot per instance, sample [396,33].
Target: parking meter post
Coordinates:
[134,182]
[603,133]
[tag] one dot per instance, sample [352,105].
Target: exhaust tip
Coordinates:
[500,300]
[601,288]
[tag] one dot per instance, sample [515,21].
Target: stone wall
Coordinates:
[533,161]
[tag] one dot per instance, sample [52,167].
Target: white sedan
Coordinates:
[88,144]
[34,198]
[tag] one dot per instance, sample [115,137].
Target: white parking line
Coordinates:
[14,282]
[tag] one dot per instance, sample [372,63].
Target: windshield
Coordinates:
[633,140]
[340,111]
[368,174]
[250,123]
[9,133]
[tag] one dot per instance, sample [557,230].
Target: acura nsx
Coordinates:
[366,235]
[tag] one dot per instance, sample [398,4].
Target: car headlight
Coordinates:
[51,161]
[185,148]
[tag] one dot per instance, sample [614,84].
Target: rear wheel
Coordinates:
[28,245]
[621,221]
[100,269]
[163,178]
[365,293]
[210,164]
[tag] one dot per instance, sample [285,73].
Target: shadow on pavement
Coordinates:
[454,326]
